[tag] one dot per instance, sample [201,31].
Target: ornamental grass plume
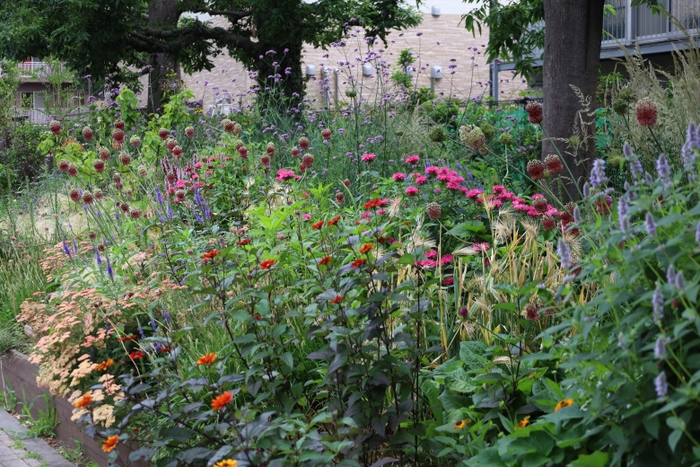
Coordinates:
[646,112]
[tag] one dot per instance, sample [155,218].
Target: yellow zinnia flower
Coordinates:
[563,404]
[227,463]
[461,424]
[524,422]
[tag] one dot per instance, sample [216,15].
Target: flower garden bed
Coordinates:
[18,375]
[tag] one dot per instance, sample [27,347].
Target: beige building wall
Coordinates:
[439,41]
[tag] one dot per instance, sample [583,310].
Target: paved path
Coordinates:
[19,449]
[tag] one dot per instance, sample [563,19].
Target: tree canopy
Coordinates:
[119,39]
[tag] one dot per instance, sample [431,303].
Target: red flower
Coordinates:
[366,247]
[325,260]
[245,241]
[210,255]
[267,264]
[357,263]
[333,221]
[373,203]
[136,355]
[317,225]
[337,299]
[221,401]
[127,338]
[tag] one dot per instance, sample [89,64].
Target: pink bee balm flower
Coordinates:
[399,176]
[432,170]
[474,193]
[483,246]
[411,191]
[381,212]
[382,202]
[412,160]
[446,259]
[284,174]
[432,254]
[421,180]
[306,216]
[369,157]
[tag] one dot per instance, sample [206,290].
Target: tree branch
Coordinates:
[233,16]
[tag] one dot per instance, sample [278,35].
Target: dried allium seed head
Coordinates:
[346,182]
[339,198]
[99,195]
[92,235]
[143,171]
[531,312]
[326,134]
[304,143]
[116,178]
[118,135]
[265,160]
[549,223]
[553,164]
[228,125]
[135,213]
[87,197]
[540,204]
[119,124]
[171,177]
[88,134]
[163,133]
[307,160]
[534,112]
[72,170]
[237,129]
[295,152]
[55,127]
[177,152]
[63,165]
[99,165]
[105,154]
[646,112]
[180,194]
[170,143]
[243,151]
[270,148]
[535,168]
[124,207]
[135,141]
[124,158]
[189,132]
[74,195]
[433,210]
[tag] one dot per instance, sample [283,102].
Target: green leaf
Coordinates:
[597,459]
[673,439]
[488,457]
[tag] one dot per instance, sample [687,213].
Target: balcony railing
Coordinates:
[39,69]
[641,24]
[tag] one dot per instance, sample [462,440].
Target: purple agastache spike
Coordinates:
[110,271]
[99,215]
[564,254]
[697,233]
[657,304]
[140,329]
[197,198]
[170,211]
[166,315]
[160,216]
[116,214]
[66,250]
[97,256]
[159,196]
[75,247]
[198,217]
[154,325]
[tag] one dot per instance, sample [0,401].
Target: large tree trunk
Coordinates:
[162,14]
[573,32]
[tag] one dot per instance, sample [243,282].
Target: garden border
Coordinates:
[17,372]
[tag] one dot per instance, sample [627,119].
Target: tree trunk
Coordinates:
[573,32]
[282,86]
[162,14]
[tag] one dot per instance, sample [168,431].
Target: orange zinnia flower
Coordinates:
[136,355]
[227,463]
[110,443]
[366,247]
[267,263]
[317,225]
[563,404]
[245,241]
[524,422]
[208,359]
[337,299]
[210,255]
[373,203]
[357,263]
[333,221]
[325,260]
[102,366]
[83,402]
[220,402]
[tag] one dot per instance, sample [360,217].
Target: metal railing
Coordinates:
[643,24]
[39,69]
